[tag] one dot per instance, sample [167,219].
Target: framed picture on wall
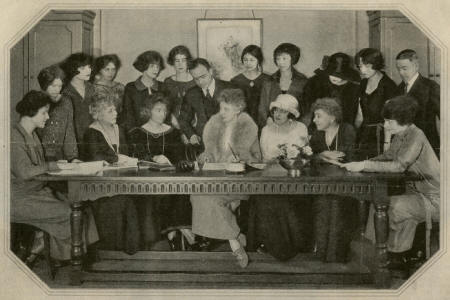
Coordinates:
[221,42]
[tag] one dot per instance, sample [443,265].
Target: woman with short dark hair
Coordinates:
[104,73]
[32,201]
[150,64]
[252,78]
[58,136]
[79,91]
[409,151]
[178,84]
[375,89]
[159,142]
[287,80]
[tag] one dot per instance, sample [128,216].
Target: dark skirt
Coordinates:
[176,212]
[335,224]
[282,223]
[116,219]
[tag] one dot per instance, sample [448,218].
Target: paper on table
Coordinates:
[84,168]
[212,166]
[333,162]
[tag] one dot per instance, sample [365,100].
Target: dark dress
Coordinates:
[176,91]
[271,89]
[319,86]
[81,116]
[135,96]
[173,211]
[334,216]
[369,138]
[252,90]
[116,217]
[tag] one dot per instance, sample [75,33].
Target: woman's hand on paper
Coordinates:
[356,166]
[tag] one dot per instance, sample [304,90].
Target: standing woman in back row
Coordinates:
[251,80]
[178,83]
[287,80]
[150,64]
[375,89]
[105,71]
[79,91]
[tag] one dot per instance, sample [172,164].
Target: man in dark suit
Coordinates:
[200,102]
[425,91]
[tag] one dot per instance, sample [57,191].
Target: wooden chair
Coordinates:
[22,238]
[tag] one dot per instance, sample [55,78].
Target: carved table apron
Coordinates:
[362,186]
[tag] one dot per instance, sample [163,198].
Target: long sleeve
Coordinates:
[127,117]
[408,152]
[348,138]
[96,148]
[70,146]
[21,165]
[186,117]
[264,103]
[264,142]
[435,98]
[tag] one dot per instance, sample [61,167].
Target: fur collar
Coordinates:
[243,136]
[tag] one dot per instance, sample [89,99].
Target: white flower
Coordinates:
[292,151]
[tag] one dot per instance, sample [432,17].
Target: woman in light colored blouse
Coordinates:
[409,151]
[280,224]
[284,129]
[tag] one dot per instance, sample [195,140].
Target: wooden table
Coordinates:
[327,179]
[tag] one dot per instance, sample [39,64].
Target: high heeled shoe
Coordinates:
[241,256]
[175,242]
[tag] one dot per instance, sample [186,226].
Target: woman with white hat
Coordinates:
[280,226]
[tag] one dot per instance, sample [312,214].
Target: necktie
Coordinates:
[208,94]
[405,91]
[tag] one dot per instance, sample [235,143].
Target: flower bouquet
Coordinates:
[294,158]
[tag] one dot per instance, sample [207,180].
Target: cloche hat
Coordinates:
[286,102]
[339,65]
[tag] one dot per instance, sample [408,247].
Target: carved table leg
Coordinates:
[381,220]
[76,228]
[362,216]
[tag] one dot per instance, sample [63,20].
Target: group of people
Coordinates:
[362,119]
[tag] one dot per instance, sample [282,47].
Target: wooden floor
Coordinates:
[184,270]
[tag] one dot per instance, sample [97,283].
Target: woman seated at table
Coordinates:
[409,151]
[161,143]
[334,216]
[116,216]
[230,135]
[32,202]
[280,225]
[104,72]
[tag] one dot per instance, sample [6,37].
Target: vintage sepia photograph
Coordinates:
[237,148]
